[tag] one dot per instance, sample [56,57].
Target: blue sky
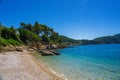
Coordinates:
[78,19]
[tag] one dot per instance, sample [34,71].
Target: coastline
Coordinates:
[22,65]
[52,74]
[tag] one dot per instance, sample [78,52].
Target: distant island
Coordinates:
[38,35]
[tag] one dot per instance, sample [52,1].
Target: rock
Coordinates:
[49,47]
[54,46]
[34,48]
[56,53]
[48,53]
[19,49]
[13,48]
[31,50]
[8,48]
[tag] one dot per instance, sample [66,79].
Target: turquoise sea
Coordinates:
[90,62]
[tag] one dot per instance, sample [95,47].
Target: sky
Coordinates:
[78,19]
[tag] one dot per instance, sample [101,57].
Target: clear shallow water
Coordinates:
[92,62]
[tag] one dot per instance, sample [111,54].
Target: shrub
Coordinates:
[3,42]
[6,42]
[13,42]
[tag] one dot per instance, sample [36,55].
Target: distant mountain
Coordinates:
[68,41]
[108,39]
[100,40]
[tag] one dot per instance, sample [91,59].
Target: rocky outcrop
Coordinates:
[13,48]
[51,47]
[55,53]
[48,53]
[45,50]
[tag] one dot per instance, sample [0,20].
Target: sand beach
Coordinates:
[23,66]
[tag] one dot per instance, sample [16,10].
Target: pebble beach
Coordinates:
[22,66]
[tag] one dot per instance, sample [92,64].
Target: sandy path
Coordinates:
[20,66]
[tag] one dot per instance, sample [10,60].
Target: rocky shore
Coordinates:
[44,50]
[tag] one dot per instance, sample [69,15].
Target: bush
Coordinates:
[6,42]
[13,42]
[10,33]
[3,42]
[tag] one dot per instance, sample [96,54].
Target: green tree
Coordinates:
[26,26]
[9,33]
[37,28]
[28,36]
[55,37]
[0,28]
[4,33]
[45,39]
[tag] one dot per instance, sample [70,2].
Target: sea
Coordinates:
[87,62]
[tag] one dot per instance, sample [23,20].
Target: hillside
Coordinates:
[39,34]
[28,34]
[108,39]
[100,40]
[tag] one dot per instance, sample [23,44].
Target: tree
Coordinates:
[1,27]
[54,37]
[28,36]
[26,26]
[10,33]
[45,39]
[23,25]
[37,28]
[5,33]
[12,29]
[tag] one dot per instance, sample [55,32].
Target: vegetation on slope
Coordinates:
[41,34]
[101,40]
[27,34]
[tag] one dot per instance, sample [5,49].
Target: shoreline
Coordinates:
[52,74]
[12,62]
[49,70]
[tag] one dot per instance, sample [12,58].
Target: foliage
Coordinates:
[13,42]
[45,39]
[37,28]
[28,33]
[26,26]
[28,36]
[55,37]
[5,42]
[46,33]
[68,41]
[40,33]
[10,33]
[101,40]
[108,39]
